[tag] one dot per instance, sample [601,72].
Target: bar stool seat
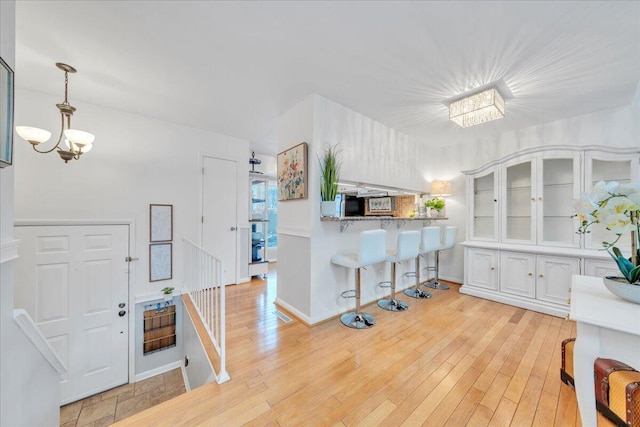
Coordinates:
[408,248]
[429,242]
[372,250]
[448,242]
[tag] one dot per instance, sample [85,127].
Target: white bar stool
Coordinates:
[430,242]
[408,247]
[448,242]
[372,250]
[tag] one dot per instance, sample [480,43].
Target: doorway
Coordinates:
[220,213]
[73,280]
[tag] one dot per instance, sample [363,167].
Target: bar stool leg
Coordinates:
[392,304]
[435,284]
[357,319]
[417,292]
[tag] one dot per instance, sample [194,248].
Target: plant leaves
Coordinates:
[634,275]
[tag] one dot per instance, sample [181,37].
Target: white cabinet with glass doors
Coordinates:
[521,207]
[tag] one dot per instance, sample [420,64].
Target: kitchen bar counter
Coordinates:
[345,222]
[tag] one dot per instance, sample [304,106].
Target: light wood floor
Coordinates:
[451,360]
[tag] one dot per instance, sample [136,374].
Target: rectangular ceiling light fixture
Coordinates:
[478,108]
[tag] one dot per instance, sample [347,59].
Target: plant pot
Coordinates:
[329,208]
[620,287]
[168,297]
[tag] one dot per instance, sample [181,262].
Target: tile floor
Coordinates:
[116,404]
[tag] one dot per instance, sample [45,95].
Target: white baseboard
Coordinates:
[159,370]
[185,378]
[294,311]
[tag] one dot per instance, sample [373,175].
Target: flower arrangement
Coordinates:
[617,207]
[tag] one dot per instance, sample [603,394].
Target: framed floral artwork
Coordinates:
[292,173]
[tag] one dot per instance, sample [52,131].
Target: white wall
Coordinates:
[618,127]
[21,365]
[294,220]
[308,284]
[136,161]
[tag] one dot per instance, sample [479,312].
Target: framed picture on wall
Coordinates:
[160,261]
[6,114]
[292,173]
[160,223]
[380,204]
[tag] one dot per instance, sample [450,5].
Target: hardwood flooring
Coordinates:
[452,360]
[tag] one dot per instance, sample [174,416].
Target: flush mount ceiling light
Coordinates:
[77,142]
[478,108]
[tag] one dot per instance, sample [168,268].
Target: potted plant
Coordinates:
[330,173]
[617,207]
[435,204]
[168,291]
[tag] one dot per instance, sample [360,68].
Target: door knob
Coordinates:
[232,229]
[122,313]
[121,305]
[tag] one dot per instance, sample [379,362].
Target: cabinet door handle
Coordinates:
[232,229]
[541,276]
[539,198]
[530,274]
[493,268]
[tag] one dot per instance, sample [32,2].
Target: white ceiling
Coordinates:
[235,67]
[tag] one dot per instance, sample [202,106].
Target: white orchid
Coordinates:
[617,207]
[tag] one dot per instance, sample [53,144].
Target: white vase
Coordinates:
[328,208]
[620,287]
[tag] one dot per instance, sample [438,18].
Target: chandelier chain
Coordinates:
[66,85]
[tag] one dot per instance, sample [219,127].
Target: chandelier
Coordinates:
[478,108]
[77,142]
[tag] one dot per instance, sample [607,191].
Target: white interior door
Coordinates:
[219,213]
[73,281]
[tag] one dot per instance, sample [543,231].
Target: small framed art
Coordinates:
[160,261]
[160,223]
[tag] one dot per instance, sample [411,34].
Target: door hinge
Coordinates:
[202,220]
[202,171]
[129,259]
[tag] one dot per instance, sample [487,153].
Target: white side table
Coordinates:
[608,327]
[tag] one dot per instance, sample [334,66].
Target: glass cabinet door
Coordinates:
[557,190]
[518,203]
[484,207]
[611,169]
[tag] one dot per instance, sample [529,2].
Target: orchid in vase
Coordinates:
[617,207]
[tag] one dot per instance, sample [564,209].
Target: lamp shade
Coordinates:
[440,188]
[78,148]
[79,137]
[33,135]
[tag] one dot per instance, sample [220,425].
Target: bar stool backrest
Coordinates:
[449,240]
[430,239]
[408,245]
[373,247]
